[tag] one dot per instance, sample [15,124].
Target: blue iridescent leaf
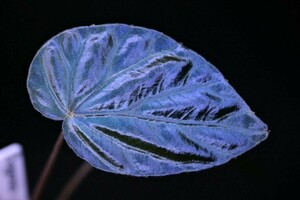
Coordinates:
[136,102]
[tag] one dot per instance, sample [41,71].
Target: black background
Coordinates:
[254,44]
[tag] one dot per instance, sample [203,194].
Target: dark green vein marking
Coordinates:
[96,149]
[163,60]
[207,113]
[192,143]
[187,116]
[213,97]
[164,113]
[170,122]
[201,113]
[223,112]
[167,58]
[110,41]
[153,149]
[182,75]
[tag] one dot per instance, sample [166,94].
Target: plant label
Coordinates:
[13,183]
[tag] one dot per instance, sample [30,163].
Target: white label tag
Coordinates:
[13,183]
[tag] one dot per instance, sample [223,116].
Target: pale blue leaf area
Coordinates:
[134,101]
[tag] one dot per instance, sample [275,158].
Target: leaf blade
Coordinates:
[136,102]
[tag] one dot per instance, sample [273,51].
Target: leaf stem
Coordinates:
[74,181]
[48,168]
